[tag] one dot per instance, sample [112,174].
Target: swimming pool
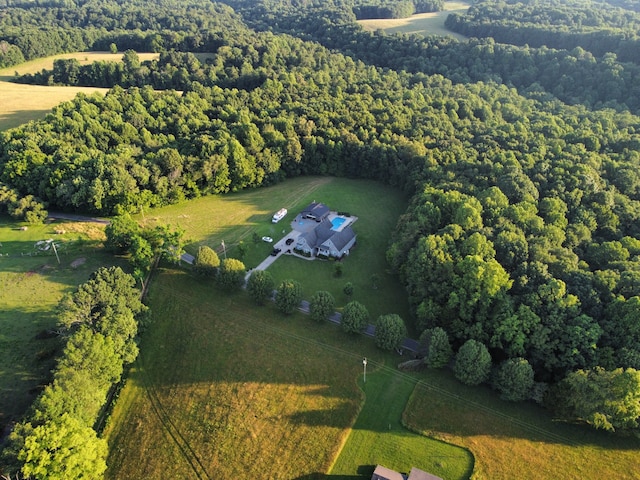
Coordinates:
[337,222]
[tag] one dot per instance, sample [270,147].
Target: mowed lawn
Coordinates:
[419,24]
[32,282]
[380,438]
[22,103]
[240,217]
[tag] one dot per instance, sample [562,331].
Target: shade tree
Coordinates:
[321,306]
[514,379]
[473,363]
[288,296]
[390,331]
[439,351]
[207,261]
[260,286]
[231,274]
[355,317]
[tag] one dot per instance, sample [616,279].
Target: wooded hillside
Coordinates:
[524,229]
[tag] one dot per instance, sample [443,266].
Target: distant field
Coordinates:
[421,24]
[22,103]
[31,285]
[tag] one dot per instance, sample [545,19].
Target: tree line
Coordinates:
[99,324]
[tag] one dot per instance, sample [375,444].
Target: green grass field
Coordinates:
[420,24]
[31,284]
[22,103]
[237,217]
[224,389]
[516,440]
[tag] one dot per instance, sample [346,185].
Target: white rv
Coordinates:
[279,215]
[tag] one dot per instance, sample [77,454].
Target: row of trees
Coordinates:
[99,324]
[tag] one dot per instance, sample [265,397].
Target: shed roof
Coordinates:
[384,473]
[417,474]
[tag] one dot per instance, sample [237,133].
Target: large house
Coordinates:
[384,473]
[323,240]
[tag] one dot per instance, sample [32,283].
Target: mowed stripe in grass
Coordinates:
[379,437]
[227,390]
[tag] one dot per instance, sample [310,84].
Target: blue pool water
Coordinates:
[337,222]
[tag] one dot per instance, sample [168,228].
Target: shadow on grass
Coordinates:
[364,472]
[17,118]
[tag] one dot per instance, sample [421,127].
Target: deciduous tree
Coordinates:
[514,379]
[231,274]
[355,317]
[288,296]
[473,363]
[440,351]
[322,305]
[390,331]
[260,286]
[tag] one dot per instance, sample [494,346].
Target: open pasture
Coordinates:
[421,24]
[31,285]
[225,389]
[22,103]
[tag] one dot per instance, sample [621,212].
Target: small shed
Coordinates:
[384,473]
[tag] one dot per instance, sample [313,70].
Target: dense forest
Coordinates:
[523,232]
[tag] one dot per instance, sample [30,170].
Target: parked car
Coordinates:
[289,241]
[275,251]
[267,239]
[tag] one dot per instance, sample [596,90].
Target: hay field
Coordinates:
[22,103]
[420,24]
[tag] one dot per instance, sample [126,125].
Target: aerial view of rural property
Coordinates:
[319,239]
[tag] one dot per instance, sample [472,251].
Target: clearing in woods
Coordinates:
[22,103]
[420,24]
